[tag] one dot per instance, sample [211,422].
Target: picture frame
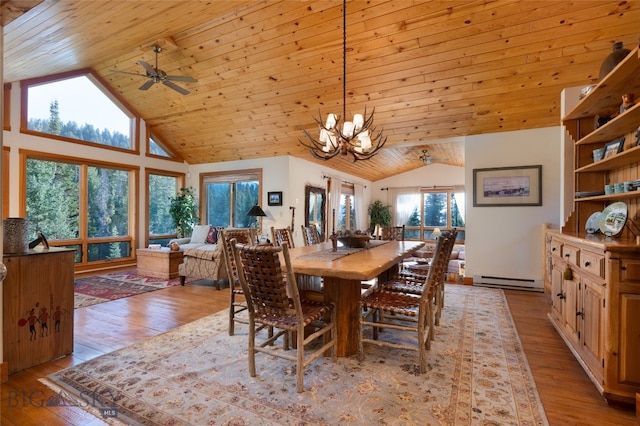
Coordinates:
[507,186]
[274,198]
[613,147]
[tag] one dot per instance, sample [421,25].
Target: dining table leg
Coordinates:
[345,295]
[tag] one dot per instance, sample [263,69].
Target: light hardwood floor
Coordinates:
[567,394]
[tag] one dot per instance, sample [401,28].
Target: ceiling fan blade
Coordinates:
[127,72]
[175,87]
[146,85]
[184,78]
[148,67]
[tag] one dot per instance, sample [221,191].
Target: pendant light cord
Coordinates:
[344,60]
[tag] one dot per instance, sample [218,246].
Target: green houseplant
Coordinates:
[184,211]
[379,214]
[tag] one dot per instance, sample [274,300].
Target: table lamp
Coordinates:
[436,233]
[256,211]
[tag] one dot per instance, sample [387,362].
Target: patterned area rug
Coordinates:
[198,374]
[116,285]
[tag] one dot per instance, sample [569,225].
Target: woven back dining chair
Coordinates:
[281,236]
[242,236]
[397,312]
[412,282]
[310,235]
[392,233]
[274,304]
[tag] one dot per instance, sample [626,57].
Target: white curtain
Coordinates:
[361,210]
[334,204]
[460,202]
[404,203]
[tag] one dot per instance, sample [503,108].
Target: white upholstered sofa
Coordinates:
[202,256]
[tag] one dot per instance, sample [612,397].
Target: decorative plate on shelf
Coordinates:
[582,194]
[613,219]
[593,223]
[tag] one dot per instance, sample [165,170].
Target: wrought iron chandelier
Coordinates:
[358,137]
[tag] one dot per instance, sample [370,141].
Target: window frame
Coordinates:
[425,230]
[180,182]
[230,176]
[348,189]
[127,109]
[83,241]
[150,134]
[6,105]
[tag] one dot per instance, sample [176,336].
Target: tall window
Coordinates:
[228,196]
[347,217]
[162,186]
[59,106]
[81,205]
[422,212]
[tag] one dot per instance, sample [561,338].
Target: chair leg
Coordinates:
[232,312]
[300,353]
[182,279]
[252,345]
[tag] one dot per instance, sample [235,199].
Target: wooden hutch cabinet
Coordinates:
[595,278]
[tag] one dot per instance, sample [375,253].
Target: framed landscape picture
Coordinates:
[507,186]
[274,198]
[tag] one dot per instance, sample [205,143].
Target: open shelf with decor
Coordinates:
[593,262]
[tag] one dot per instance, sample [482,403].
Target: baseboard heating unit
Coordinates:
[508,283]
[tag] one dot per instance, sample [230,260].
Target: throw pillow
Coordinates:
[212,236]
[199,234]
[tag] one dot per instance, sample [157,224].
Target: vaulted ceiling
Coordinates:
[435,71]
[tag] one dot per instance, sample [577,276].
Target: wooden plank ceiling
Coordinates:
[435,71]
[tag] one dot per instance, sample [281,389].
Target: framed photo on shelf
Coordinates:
[613,147]
[274,198]
[507,186]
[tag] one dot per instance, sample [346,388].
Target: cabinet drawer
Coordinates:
[630,271]
[556,248]
[571,254]
[593,263]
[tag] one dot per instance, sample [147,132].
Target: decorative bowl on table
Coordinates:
[354,240]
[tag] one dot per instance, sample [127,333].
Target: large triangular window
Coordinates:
[77,108]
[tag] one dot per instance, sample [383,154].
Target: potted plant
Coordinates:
[379,214]
[184,211]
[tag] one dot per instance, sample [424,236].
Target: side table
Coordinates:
[158,263]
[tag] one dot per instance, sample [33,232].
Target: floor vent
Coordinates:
[508,283]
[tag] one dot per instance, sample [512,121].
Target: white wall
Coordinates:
[432,175]
[508,241]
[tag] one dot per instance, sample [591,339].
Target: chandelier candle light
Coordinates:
[357,137]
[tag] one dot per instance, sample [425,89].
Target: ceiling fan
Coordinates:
[427,159]
[155,75]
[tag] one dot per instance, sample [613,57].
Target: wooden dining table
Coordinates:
[343,278]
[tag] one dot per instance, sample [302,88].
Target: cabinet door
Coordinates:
[630,339]
[570,309]
[556,290]
[592,329]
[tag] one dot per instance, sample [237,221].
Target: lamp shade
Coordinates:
[256,211]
